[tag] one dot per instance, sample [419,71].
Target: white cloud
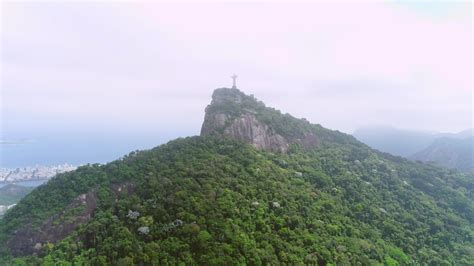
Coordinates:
[155,65]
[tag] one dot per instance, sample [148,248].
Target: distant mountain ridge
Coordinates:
[395,141]
[449,152]
[10,194]
[453,150]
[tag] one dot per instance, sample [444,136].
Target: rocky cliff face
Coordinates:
[247,128]
[234,114]
[30,240]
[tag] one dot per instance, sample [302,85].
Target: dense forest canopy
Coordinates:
[217,201]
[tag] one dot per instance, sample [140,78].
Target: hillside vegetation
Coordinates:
[217,201]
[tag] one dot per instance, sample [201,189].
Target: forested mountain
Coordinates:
[453,150]
[449,152]
[257,187]
[395,141]
[10,194]
[403,142]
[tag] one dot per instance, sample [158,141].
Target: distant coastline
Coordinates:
[25,183]
[37,173]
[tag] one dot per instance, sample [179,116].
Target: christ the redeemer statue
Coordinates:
[234,77]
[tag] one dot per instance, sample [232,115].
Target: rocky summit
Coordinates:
[242,117]
[234,114]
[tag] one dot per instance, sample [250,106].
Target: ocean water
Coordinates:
[75,149]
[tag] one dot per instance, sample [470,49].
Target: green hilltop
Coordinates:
[258,187]
[12,193]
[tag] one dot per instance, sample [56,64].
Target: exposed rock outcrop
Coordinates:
[248,129]
[30,240]
[234,114]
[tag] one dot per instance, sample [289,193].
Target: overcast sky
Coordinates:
[144,67]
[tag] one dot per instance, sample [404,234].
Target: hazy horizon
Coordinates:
[97,80]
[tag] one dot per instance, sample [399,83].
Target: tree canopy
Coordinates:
[212,200]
